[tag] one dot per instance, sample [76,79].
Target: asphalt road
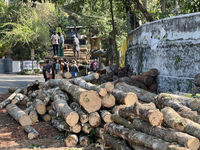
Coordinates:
[14,80]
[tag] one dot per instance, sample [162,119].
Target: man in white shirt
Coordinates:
[54,41]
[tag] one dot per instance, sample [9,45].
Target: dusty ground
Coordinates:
[13,137]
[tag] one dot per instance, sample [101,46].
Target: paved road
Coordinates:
[13,80]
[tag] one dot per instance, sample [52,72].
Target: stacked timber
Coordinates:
[121,115]
[196,89]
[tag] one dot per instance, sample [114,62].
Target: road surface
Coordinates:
[14,80]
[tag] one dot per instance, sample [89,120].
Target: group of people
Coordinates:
[59,66]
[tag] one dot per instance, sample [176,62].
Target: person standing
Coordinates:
[74,69]
[61,45]
[44,73]
[53,66]
[76,47]
[58,66]
[51,29]
[93,65]
[66,65]
[62,66]
[54,41]
[48,70]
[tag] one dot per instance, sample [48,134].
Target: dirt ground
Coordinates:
[13,137]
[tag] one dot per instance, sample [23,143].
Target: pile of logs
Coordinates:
[117,114]
[112,73]
[196,88]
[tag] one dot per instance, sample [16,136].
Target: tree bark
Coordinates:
[32,133]
[116,108]
[94,119]
[175,121]
[84,141]
[192,103]
[142,95]
[18,98]
[82,83]
[108,101]
[19,115]
[153,87]
[181,109]
[106,116]
[122,121]
[90,77]
[147,80]
[52,83]
[197,79]
[121,74]
[62,108]
[127,98]
[146,112]
[34,116]
[152,72]
[195,90]
[143,10]
[39,106]
[82,116]
[28,110]
[163,9]
[8,100]
[89,100]
[71,140]
[167,134]
[109,86]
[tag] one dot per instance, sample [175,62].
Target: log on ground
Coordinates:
[39,106]
[147,80]
[32,133]
[34,116]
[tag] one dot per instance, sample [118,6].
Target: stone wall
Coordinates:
[2,64]
[177,55]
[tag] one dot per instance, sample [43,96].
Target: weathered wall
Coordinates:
[177,56]
[2,68]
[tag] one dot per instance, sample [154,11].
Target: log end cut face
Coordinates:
[130,99]
[41,109]
[25,120]
[71,140]
[108,101]
[90,101]
[193,143]
[156,118]
[72,119]
[76,128]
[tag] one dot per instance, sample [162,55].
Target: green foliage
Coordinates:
[33,146]
[178,59]
[60,137]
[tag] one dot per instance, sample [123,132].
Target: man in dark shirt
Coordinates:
[53,65]
[74,68]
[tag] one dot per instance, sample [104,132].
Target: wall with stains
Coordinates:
[172,45]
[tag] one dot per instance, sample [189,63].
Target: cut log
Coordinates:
[127,98]
[108,70]
[41,85]
[83,116]
[153,87]
[152,72]
[8,100]
[108,101]
[25,100]
[90,77]
[139,138]
[58,76]
[147,80]
[44,117]
[195,90]
[52,113]
[142,95]
[109,87]
[122,121]
[34,116]
[89,100]
[183,94]
[130,73]
[62,108]
[19,97]
[115,77]
[19,115]
[181,109]
[94,119]
[117,107]
[28,110]
[113,67]
[121,74]
[114,142]
[52,83]
[71,140]
[39,106]
[147,112]
[197,80]
[32,133]
[84,141]
[87,128]
[106,116]
[175,121]
[167,134]
[192,103]
[89,86]
[67,75]
[46,101]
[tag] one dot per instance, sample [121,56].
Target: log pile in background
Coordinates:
[123,116]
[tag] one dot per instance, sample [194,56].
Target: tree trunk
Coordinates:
[62,108]
[89,100]
[71,140]
[109,86]
[152,72]
[87,128]
[192,103]
[147,112]
[90,77]
[195,90]
[94,119]
[143,10]
[153,87]
[127,98]
[163,8]
[19,97]
[181,109]
[32,133]
[19,115]
[83,116]
[106,116]
[39,106]
[84,141]
[115,77]
[108,101]
[53,113]
[147,80]
[67,75]
[8,100]
[34,116]
[175,121]
[116,108]
[13,89]
[197,79]
[142,95]
[82,83]
[114,142]
[122,121]
[52,83]
[28,110]
[167,134]
[121,74]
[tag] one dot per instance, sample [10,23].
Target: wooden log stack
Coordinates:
[123,116]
